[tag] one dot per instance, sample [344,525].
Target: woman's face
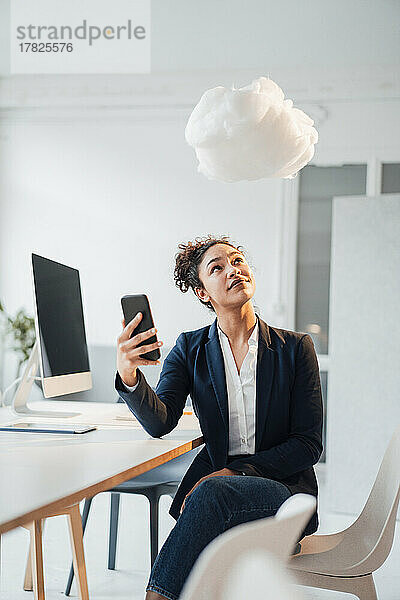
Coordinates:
[227,279]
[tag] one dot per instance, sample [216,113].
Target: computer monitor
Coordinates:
[60,350]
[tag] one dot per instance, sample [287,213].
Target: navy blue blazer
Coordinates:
[288,408]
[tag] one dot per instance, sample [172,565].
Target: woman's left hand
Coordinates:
[222,472]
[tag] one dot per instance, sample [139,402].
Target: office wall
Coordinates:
[113,191]
[364,379]
[95,172]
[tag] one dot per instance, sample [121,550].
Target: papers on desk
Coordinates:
[91,414]
[124,417]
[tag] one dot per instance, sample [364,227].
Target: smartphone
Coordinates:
[131,305]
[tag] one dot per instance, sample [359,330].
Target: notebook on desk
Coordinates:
[24,427]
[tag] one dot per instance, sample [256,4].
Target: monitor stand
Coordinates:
[19,406]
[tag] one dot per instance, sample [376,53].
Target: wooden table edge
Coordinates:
[102,486]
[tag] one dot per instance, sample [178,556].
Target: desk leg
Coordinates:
[37,560]
[76,533]
[28,582]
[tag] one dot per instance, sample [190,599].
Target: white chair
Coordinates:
[277,535]
[259,575]
[345,561]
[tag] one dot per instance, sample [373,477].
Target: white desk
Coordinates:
[42,473]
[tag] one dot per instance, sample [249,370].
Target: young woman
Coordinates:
[257,394]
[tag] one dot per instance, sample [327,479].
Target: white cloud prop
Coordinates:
[250,133]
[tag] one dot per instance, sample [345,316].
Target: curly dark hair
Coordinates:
[187,261]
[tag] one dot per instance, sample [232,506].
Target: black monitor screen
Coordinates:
[60,318]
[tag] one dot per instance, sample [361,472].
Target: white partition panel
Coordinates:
[364,378]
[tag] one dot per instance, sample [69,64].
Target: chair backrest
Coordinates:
[169,472]
[277,535]
[259,574]
[373,530]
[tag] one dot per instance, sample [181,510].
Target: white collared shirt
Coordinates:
[241,389]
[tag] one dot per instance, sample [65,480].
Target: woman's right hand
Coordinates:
[128,352]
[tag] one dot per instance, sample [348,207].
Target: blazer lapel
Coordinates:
[264,378]
[216,368]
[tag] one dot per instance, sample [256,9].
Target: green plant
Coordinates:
[21,330]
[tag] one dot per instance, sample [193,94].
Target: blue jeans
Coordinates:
[217,504]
